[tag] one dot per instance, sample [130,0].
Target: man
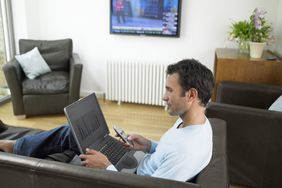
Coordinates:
[119,8]
[183,151]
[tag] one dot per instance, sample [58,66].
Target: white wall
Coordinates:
[19,19]
[278,31]
[204,27]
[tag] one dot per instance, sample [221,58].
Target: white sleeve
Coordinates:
[112,168]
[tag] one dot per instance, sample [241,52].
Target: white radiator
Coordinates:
[135,82]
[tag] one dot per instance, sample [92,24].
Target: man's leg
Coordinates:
[46,143]
[118,17]
[123,17]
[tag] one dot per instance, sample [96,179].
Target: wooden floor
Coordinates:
[148,121]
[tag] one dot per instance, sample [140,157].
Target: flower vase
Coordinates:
[256,49]
[243,46]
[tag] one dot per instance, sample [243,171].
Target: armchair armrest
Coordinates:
[14,76]
[254,144]
[247,94]
[75,78]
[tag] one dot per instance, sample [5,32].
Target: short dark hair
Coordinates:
[192,74]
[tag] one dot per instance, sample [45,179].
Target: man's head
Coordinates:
[187,80]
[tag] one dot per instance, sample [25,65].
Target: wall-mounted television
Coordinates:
[145,17]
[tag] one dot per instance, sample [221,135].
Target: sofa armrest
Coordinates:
[14,76]
[30,172]
[75,78]
[254,144]
[246,94]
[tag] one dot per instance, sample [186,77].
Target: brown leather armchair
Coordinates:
[48,93]
[254,143]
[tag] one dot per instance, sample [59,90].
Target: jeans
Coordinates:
[46,143]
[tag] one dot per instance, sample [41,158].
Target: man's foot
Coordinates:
[7,145]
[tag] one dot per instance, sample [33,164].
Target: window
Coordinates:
[7,44]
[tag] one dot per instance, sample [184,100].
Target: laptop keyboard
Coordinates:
[113,149]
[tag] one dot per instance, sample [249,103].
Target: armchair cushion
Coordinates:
[52,83]
[56,53]
[32,63]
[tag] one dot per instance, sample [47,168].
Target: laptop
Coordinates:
[90,130]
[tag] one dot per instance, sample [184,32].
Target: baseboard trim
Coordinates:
[20,117]
[99,94]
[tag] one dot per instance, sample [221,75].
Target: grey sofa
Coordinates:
[48,93]
[254,141]
[21,171]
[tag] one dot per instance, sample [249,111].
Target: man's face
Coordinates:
[176,103]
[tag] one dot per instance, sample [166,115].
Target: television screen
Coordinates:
[145,17]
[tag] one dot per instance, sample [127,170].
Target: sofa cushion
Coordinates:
[56,53]
[32,63]
[14,132]
[52,83]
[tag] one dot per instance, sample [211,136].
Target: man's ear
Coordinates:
[192,94]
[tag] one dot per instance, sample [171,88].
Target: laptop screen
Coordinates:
[87,122]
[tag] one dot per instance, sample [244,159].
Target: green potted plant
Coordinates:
[239,32]
[252,33]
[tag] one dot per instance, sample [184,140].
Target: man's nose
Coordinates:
[165,98]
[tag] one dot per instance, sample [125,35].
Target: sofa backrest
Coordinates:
[56,53]
[27,172]
[215,175]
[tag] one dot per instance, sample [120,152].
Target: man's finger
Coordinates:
[83,163]
[82,156]
[91,151]
[131,137]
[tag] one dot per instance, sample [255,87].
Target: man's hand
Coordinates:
[94,159]
[139,143]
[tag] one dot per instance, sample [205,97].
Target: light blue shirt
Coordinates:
[180,154]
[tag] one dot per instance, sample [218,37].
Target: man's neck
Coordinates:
[194,117]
